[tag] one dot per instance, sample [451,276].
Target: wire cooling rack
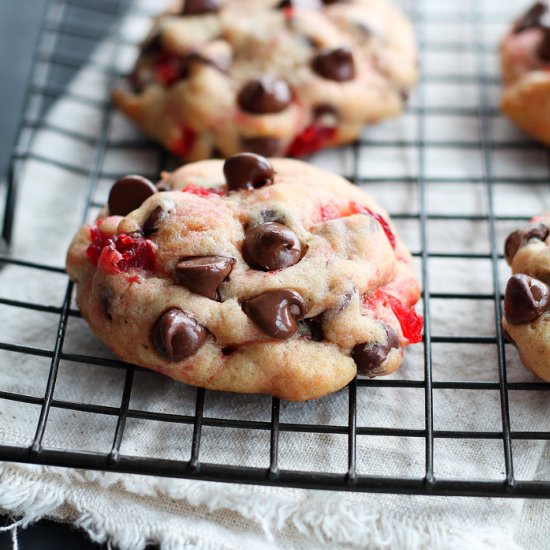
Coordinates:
[82,20]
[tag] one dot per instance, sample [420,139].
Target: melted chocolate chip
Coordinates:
[334,64]
[128,194]
[265,146]
[312,328]
[370,357]
[105,299]
[152,223]
[517,238]
[176,335]
[271,246]
[536,231]
[512,244]
[525,299]
[247,171]
[204,274]
[264,95]
[199,7]
[276,312]
[531,18]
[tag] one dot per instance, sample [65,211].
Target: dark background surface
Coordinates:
[47,535]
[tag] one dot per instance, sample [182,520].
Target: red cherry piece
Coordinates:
[170,68]
[330,211]
[204,192]
[187,139]
[99,241]
[121,253]
[360,209]
[411,323]
[311,140]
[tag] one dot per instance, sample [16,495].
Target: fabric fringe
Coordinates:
[322,518]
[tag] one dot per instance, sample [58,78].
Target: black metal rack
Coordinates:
[79,18]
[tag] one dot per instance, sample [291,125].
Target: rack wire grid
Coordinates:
[468,26]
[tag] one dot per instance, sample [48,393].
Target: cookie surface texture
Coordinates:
[288,286]
[525,66]
[526,315]
[270,77]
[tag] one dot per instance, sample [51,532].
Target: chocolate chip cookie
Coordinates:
[271,77]
[253,275]
[525,62]
[527,297]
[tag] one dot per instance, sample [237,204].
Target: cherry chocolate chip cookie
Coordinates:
[253,276]
[271,77]
[527,297]
[525,62]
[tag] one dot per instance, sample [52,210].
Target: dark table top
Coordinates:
[47,535]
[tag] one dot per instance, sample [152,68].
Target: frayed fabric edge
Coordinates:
[32,493]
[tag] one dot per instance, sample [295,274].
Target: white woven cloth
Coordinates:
[130,511]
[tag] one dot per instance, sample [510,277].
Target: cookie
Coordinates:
[271,77]
[253,276]
[525,63]
[526,317]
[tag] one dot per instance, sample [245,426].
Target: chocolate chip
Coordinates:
[334,64]
[265,95]
[265,146]
[531,18]
[392,338]
[271,215]
[525,299]
[312,328]
[156,217]
[129,193]
[204,274]
[247,171]
[536,231]
[512,244]
[105,300]
[276,312]
[198,7]
[271,246]
[517,238]
[369,357]
[176,335]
